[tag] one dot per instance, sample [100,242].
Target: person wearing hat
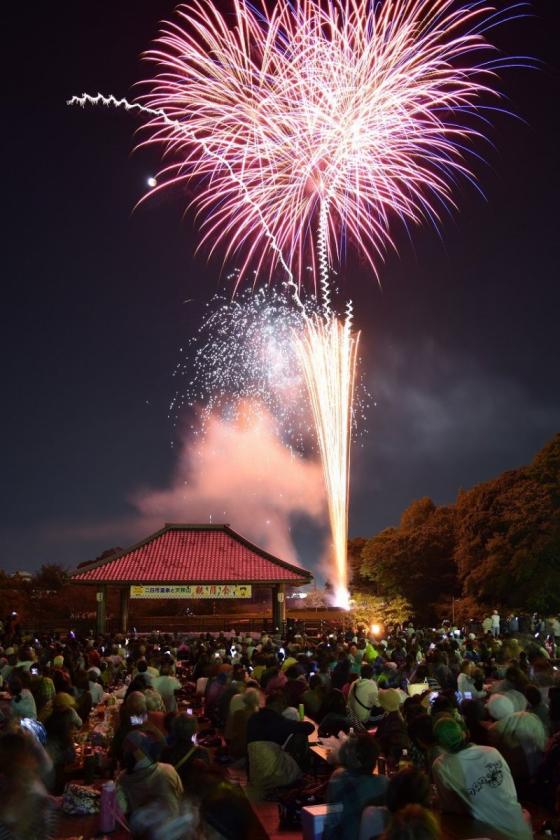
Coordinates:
[60,726]
[144,780]
[517,734]
[477,781]
[391,729]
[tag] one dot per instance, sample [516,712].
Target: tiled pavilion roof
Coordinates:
[192,553]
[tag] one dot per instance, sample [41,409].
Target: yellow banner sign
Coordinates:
[207,590]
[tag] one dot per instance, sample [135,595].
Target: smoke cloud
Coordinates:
[238,472]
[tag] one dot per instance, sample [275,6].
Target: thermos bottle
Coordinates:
[107,820]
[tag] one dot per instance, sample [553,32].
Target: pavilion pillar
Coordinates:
[101,617]
[124,599]
[279,607]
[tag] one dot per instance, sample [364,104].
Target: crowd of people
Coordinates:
[422,723]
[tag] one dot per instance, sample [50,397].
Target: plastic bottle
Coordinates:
[404,760]
[301,711]
[107,815]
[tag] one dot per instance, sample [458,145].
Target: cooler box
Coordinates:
[313,818]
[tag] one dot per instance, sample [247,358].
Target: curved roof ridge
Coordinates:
[201,553]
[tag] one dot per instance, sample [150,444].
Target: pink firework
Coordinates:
[320,122]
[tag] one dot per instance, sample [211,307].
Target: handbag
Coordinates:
[80,800]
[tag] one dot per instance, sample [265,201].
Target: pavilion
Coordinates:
[190,561]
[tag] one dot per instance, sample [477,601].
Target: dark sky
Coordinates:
[460,345]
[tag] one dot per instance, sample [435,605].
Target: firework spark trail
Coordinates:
[113,101]
[328,353]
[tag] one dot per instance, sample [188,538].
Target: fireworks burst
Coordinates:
[365,108]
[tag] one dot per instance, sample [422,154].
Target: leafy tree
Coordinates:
[50,576]
[508,536]
[355,548]
[416,559]
[498,545]
[371,609]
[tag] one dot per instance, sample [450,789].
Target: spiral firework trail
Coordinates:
[313,126]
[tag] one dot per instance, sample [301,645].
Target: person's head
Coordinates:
[63,701]
[154,700]
[141,666]
[81,681]
[449,734]
[135,705]
[315,682]
[420,731]
[389,699]
[251,699]
[473,713]
[533,696]
[15,686]
[137,746]
[183,728]
[412,707]
[408,787]
[359,753]
[366,672]
[443,705]
[467,667]
[517,677]
[499,706]
[276,702]
[413,823]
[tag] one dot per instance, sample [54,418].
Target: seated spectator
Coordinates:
[413,823]
[313,698]
[391,729]
[188,759]
[23,703]
[84,699]
[167,685]
[473,714]
[363,697]
[268,731]
[407,787]
[142,671]
[477,781]
[95,687]
[423,747]
[43,690]
[466,682]
[134,715]
[61,726]
[236,736]
[519,736]
[537,706]
[295,686]
[145,780]
[354,786]
[26,809]
[333,715]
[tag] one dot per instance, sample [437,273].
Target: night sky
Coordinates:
[459,346]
